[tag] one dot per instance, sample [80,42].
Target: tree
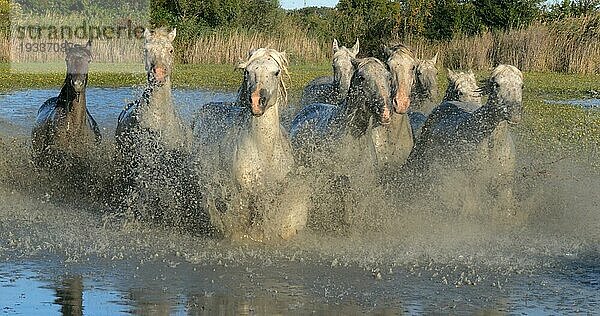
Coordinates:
[506,14]
[574,8]
[374,22]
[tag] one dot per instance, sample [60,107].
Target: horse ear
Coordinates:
[388,51]
[147,34]
[335,46]
[251,52]
[451,75]
[88,45]
[172,34]
[471,74]
[434,59]
[355,48]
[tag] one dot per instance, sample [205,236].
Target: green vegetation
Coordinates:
[220,77]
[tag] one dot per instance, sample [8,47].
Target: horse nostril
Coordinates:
[263,100]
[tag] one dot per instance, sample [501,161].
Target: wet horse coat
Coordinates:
[320,127]
[64,127]
[246,156]
[153,146]
[479,141]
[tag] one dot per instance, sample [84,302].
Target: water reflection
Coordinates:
[69,295]
[148,302]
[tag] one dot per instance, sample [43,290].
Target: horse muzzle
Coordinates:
[160,74]
[258,102]
[78,85]
[386,116]
[514,113]
[401,104]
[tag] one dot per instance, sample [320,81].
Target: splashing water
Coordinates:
[396,252]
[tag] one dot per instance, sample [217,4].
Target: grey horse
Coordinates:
[153,146]
[332,90]
[479,141]
[318,127]
[335,141]
[246,158]
[425,93]
[64,127]
[462,87]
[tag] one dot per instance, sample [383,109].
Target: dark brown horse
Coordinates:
[64,127]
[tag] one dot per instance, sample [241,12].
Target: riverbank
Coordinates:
[210,76]
[226,77]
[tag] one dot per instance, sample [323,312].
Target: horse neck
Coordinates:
[266,129]
[160,97]
[483,121]
[424,96]
[354,115]
[73,105]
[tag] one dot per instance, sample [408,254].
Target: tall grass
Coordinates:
[122,47]
[570,45]
[4,48]
[231,46]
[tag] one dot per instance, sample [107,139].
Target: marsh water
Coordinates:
[62,253]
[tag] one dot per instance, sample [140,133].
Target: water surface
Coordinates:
[65,255]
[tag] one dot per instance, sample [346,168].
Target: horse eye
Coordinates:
[171,51]
[277,73]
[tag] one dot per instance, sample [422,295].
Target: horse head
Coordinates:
[505,90]
[158,54]
[402,66]
[263,85]
[462,87]
[342,64]
[426,78]
[371,85]
[78,60]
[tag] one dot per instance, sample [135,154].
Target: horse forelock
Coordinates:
[160,46]
[506,70]
[282,63]
[79,51]
[369,60]
[400,50]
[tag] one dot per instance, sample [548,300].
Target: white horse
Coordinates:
[153,145]
[462,87]
[394,141]
[246,157]
[476,144]
[332,90]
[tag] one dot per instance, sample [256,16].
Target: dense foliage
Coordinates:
[374,22]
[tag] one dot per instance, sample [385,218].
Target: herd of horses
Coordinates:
[236,169]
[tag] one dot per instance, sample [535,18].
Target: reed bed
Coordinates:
[123,45]
[570,46]
[228,47]
[4,48]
